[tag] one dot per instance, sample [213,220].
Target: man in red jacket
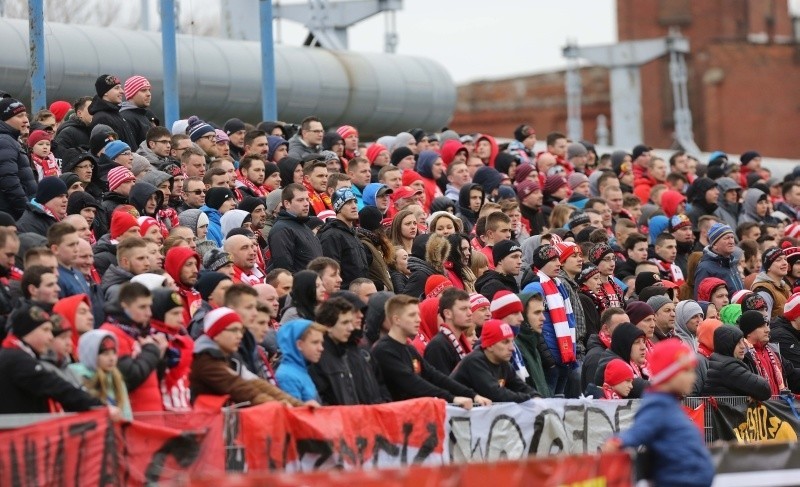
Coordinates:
[183,264]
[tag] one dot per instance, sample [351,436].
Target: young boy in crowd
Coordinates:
[301,344]
[617,380]
[678,454]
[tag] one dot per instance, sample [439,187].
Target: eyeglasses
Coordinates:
[211,137]
[198,192]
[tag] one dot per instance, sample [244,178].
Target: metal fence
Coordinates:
[708,415]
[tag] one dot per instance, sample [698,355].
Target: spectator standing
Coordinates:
[339,241]
[105,107]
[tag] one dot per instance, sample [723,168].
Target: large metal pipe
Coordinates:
[170,63]
[36,48]
[220,79]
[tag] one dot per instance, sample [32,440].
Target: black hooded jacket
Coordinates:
[340,243]
[468,217]
[292,245]
[621,342]
[788,339]
[71,135]
[375,316]
[729,376]
[286,167]
[140,193]
[95,186]
[107,113]
[696,194]
[304,293]
[17,182]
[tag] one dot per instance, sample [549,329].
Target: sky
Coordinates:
[471,40]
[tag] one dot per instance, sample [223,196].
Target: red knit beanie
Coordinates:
[435,285]
[121,222]
[495,331]
[667,358]
[617,371]
[216,321]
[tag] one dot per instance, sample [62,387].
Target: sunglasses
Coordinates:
[198,192]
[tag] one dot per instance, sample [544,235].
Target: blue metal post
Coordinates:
[269,97]
[37,47]
[170,53]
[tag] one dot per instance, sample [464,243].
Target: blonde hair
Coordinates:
[560,215]
[98,387]
[479,262]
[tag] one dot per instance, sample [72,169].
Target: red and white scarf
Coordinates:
[461,344]
[45,166]
[669,269]
[559,307]
[772,371]
[611,295]
[319,201]
[243,181]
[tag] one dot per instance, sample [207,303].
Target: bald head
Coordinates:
[234,242]
[268,294]
[242,250]
[81,225]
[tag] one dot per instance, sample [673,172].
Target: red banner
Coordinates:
[67,450]
[560,471]
[300,439]
[89,449]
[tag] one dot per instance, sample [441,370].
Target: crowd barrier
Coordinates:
[157,448]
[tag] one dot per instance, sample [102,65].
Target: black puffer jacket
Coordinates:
[35,220]
[104,165]
[95,187]
[594,351]
[492,281]
[421,270]
[110,203]
[17,183]
[729,376]
[107,113]
[292,245]
[140,120]
[340,243]
[332,375]
[788,339]
[105,254]
[71,135]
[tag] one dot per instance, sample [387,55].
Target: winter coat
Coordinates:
[420,270]
[728,213]
[788,339]
[548,328]
[138,365]
[110,202]
[676,448]
[141,192]
[28,386]
[17,181]
[292,245]
[399,281]
[214,225]
[378,270]
[139,120]
[71,135]
[104,165]
[594,351]
[214,373]
[698,206]
[71,282]
[344,376]
[340,243]
[151,156]
[537,357]
[581,332]
[105,254]
[106,113]
[725,268]
[112,280]
[35,220]
[729,376]
[492,281]
[751,197]
[591,315]
[775,295]
[622,350]
[293,374]
[299,149]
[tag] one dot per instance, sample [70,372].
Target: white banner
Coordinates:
[538,427]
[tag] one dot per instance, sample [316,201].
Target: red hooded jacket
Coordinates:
[495,148]
[176,257]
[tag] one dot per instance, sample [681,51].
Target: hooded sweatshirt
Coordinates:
[751,198]
[469,217]
[685,311]
[176,257]
[495,149]
[728,213]
[293,374]
[696,194]
[425,169]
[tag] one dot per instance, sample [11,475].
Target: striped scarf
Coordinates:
[559,308]
[461,344]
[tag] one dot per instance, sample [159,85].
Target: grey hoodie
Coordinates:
[684,311]
[751,197]
[728,213]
